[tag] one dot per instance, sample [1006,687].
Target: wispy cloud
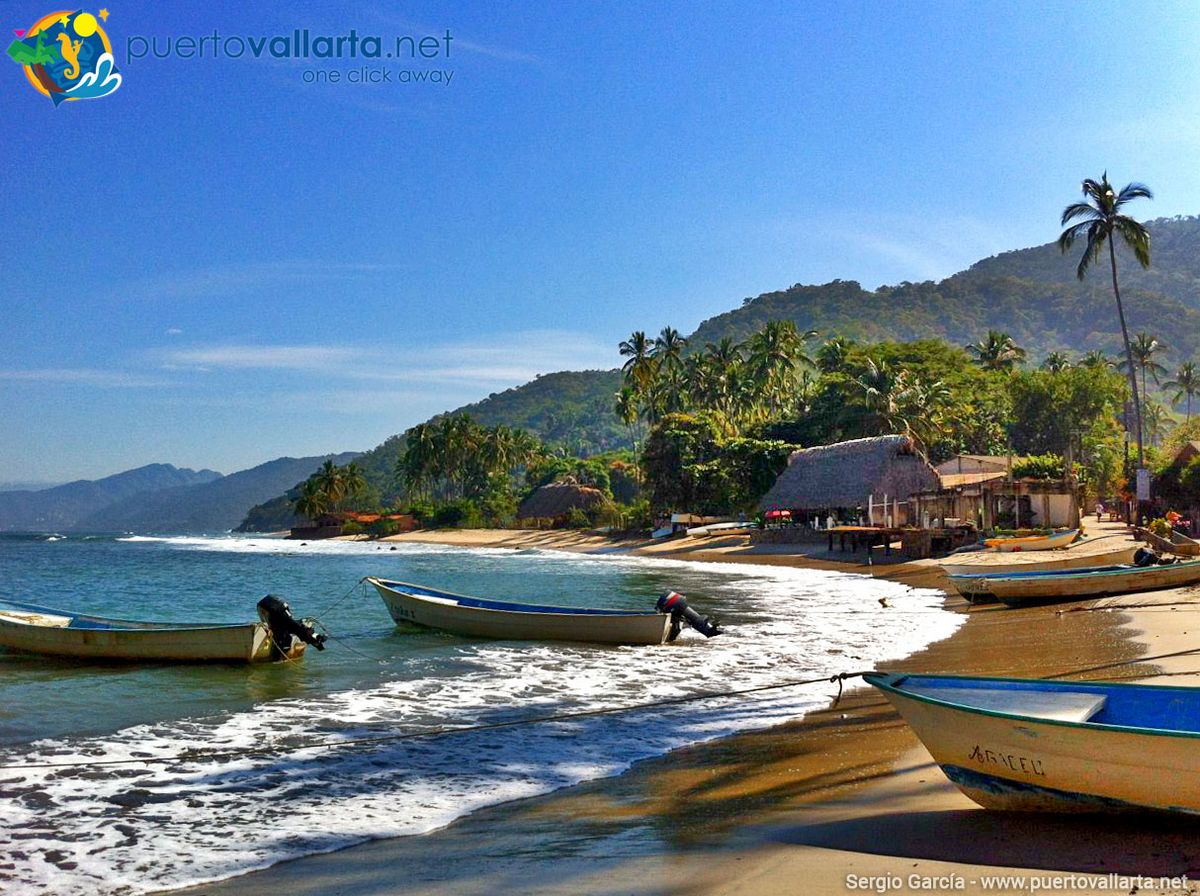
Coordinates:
[237,279]
[83,376]
[504,359]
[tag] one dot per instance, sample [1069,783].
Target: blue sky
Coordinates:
[220,264]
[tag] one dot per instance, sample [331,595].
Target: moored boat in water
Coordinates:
[28,628]
[1036,745]
[477,617]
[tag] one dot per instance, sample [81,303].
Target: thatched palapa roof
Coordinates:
[846,474]
[557,499]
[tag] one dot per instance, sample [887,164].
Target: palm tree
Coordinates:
[1186,383]
[638,348]
[312,501]
[331,479]
[832,356]
[1095,359]
[1056,362]
[1099,218]
[774,353]
[997,352]
[1144,348]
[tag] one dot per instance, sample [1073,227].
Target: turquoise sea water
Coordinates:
[135,828]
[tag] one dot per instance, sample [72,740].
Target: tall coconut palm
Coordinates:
[1185,384]
[312,500]
[997,352]
[1099,219]
[626,407]
[668,350]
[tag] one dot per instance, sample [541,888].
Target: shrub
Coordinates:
[577,518]
[352,527]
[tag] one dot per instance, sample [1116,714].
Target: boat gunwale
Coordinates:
[1078,572]
[119,625]
[887,681]
[540,610]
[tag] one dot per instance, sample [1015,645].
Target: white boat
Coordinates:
[711,529]
[28,628]
[1055,585]
[1036,745]
[476,617]
[1051,542]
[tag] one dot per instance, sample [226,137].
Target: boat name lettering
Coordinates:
[1024,764]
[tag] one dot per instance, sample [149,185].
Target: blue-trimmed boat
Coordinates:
[478,617]
[29,628]
[1020,589]
[1037,745]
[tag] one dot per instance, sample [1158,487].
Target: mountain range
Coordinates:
[157,498]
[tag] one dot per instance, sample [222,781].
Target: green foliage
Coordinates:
[1160,527]
[577,518]
[462,513]
[458,458]
[1074,409]
[1189,478]
[352,527]
[1039,466]
[420,510]
[692,462]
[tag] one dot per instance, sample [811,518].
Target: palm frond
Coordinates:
[1079,210]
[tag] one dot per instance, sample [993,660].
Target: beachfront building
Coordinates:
[551,505]
[989,498]
[330,525]
[860,482]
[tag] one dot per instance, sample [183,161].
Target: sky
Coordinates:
[229,260]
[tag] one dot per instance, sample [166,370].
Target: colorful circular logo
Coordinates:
[67,56]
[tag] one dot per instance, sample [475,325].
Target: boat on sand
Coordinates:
[1021,589]
[1051,542]
[1063,746]
[28,628]
[477,617]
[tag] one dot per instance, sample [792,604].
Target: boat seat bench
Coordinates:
[1059,706]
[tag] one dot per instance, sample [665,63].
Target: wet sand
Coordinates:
[799,808]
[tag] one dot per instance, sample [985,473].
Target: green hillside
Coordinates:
[1032,294]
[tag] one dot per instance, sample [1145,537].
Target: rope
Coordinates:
[198,755]
[356,586]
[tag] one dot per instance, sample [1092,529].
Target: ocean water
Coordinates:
[302,770]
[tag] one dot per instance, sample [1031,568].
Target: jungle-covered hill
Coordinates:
[1032,294]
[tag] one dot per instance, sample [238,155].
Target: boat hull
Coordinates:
[118,641]
[1029,764]
[1033,542]
[974,581]
[411,604]
[1031,589]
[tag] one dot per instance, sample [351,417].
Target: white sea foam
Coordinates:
[126,830]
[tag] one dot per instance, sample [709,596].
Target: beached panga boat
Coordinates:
[1054,585]
[476,617]
[1050,542]
[969,579]
[1064,746]
[28,628]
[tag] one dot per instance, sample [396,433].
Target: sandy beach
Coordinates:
[843,800]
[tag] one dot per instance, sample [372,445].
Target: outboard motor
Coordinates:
[1144,557]
[672,602]
[274,611]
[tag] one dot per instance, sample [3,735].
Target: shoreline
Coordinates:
[846,790]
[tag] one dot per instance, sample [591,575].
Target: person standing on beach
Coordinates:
[1099,510]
